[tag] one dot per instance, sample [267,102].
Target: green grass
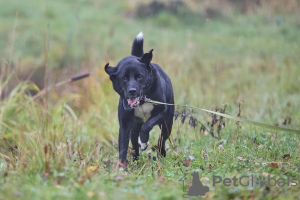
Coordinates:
[68,148]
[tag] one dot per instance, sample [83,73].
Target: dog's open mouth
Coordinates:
[133,102]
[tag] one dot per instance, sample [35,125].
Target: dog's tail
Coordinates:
[137,46]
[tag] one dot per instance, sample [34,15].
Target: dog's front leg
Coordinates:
[157,116]
[123,145]
[135,131]
[125,122]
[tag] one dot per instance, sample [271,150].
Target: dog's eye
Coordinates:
[124,78]
[139,77]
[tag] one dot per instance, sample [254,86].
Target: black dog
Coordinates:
[135,78]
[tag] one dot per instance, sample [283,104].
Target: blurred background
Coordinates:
[215,52]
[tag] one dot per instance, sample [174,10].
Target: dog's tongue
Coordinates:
[131,102]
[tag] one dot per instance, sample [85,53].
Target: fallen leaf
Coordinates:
[261,146]
[286,156]
[286,164]
[161,179]
[274,165]
[154,148]
[265,174]
[81,180]
[91,169]
[90,194]
[272,135]
[187,163]
[209,196]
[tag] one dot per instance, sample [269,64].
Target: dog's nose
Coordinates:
[132,91]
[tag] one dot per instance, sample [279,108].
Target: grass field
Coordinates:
[65,146]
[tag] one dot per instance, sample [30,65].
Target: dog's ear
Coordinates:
[110,71]
[147,57]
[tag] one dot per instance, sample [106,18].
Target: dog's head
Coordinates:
[132,77]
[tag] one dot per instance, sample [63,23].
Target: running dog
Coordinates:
[134,79]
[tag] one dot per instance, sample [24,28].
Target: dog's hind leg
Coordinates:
[134,134]
[161,146]
[166,128]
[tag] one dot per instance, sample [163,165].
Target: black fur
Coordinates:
[134,77]
[137,47]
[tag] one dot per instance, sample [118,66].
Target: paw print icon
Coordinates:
[261,181]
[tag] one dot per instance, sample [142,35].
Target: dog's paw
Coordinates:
[143,146]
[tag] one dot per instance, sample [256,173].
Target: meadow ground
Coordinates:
[65,146]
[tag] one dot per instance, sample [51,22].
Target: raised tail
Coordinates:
[137,46]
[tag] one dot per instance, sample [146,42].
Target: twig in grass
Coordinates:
[72,79]
[141,170]
[46,53]
[240,111]
[278,128]
[193,121]
[221,121]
